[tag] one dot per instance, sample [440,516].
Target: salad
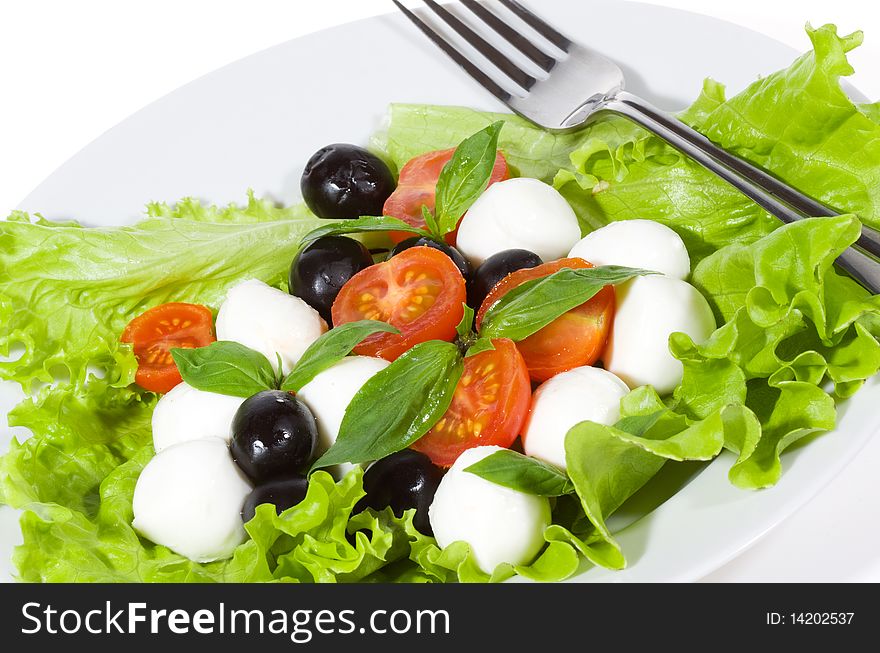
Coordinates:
[471,344]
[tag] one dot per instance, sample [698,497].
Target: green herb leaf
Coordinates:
[523,473]
[279,369]
[224,367]
[481,345]
[360,225]
[466,326]
[398,405]
[431,222]
[465,176]
[330,348]
[536,303]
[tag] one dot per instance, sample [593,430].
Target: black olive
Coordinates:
[422,241]
[273,434]
[320,270]
[494,269]
[406,479]
[343,181]
[283,493]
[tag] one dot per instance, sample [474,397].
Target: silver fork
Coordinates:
[582,85]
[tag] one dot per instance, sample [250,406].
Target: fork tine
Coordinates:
[543,28]
[521,43]
[478,75]
[500,61]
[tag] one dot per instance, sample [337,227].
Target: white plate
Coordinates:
[255,122]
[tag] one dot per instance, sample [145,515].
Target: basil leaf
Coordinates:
[523,473]
[465,176]
[279,369]
[431,222]
[398,405]
[466,327]
[225,367]
[362,224]
[536,303]
[330,348]
[481,345]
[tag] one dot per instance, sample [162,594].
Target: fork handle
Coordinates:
[858,260]
[869,239]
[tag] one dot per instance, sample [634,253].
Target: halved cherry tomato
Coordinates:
[157,331]
[417,184]
[490,405]
[571,340]
[419,291]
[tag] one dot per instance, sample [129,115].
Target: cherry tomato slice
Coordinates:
[571,340]
[157,331]
[490,405]
[417,184]
[419,291]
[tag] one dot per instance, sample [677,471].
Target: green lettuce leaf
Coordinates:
[309,543]
[255,211]
[417,128]
[609,464]
[75,481]
[787,411]
[79,438]
[64,545]
[800,124]
[558,560]
[871,111]
[790,322]
[66,292]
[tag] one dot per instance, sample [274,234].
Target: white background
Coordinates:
[71,70]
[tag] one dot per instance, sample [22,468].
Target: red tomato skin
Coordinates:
[572,352]
[391,292]
[154,333]
[572,340]
[158,381]
[501,425]
[417,184]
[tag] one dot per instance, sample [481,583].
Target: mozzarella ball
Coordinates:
[269,321]
[330,392]
[189,498]
[578,395]
[641,244]
[185,413]
[649,309]
[499,524]
[520,213]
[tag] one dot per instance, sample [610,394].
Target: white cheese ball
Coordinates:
[641,244]
[185,413]
[578,395]
[189,498]
[499,524]
[519,213]
[649,309]
[330,392]
[269,321]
